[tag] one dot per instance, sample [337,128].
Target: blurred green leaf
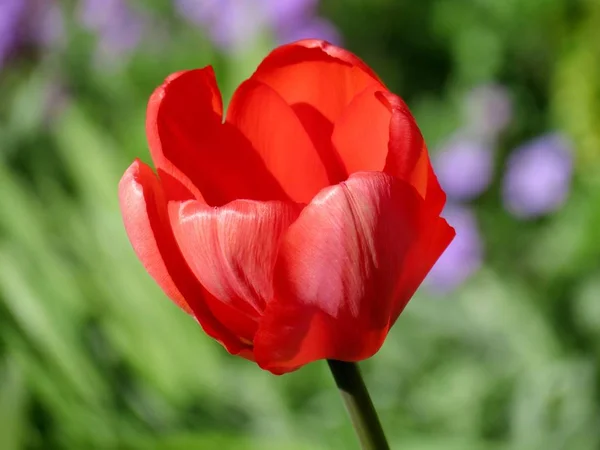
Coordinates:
[13,403]
[576,89]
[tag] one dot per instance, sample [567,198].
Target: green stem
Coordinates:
[359,405]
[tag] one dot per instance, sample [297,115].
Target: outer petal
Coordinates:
[232,251]
[144,210]
[434,237]
[316,73]
[336,279]
[195,154]
[377,132]
[278,136]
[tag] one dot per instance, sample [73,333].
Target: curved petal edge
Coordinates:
[338,273]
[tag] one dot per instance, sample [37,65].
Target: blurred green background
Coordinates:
[504,355]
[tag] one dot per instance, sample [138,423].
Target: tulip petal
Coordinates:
[434,237]
[316,73]
[319,129]
[362,132]
[196,155]
[337,274]
[144,209]
[408,157]
[382,123]
[276,133]
[232,249]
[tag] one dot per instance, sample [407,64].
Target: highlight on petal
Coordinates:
[316,73]
[143,206]
[144,209]
[338,272]
[232,251]
[277,135]
[196,155]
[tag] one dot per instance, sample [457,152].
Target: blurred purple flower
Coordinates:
[25,22]
[11,13]
[118,28]
[45,23]
[464,167]
[463,256]
[293,20]
[229,23]
[488,110]
[287,12]
[317,27]
[232,24]
[538,176]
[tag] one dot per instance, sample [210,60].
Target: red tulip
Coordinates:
[297,227]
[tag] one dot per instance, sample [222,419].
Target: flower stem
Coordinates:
[359,405]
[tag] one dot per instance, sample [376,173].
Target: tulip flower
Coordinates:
[297,226]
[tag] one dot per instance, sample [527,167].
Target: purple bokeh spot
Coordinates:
[464,167]
[234,24]
[119,29]
[463,257]
[45,24]
[11,15]
[538,176]
[315,28]
[230,24]
[201,12]
[29,22]
[289,12]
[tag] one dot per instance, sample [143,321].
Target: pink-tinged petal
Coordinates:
[316,73]
[276,133]
[337,274]
[196,155]
[232,251]
[144,209]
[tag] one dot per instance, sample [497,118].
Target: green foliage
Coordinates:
[92,355]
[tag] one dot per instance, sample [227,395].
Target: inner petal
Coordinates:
[361,134]
[277,135]
[196,155]
[316,73]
